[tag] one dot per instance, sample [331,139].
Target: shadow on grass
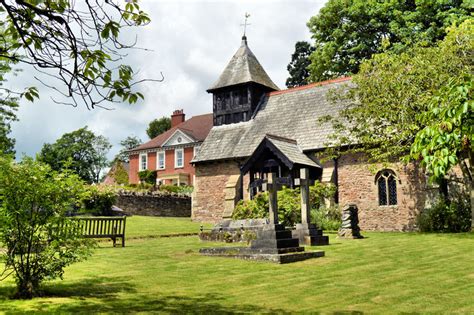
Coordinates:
[102,295]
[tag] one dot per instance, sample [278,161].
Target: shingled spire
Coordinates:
[243,68]
[240,87]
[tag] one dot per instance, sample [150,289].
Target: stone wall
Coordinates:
[160,205]
[356,179]
[211,189]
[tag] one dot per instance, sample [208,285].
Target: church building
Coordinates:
[280,131]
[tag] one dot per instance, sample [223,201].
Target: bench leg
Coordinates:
[123,241]
[114,239]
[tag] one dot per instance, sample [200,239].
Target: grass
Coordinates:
[143,227]
[384,273]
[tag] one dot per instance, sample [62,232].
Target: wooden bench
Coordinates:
[103,227]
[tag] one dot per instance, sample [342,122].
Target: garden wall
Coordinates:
[152,204]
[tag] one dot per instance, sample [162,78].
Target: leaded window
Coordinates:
[387,188]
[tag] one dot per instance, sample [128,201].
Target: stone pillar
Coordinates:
[350,222]
[272,198]
[305,206]
[306,232]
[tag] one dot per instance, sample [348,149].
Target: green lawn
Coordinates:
[386,272]
[142,227]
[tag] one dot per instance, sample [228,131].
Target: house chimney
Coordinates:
[177,117]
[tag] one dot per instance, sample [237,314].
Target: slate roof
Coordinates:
[291,150]
[292,113]
[243,68]
[197,127]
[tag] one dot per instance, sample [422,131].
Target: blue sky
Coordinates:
[190,42]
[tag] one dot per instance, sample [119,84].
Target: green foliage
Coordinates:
[81,151]
[77,42]
[391,93]
[347,32]
[158,126]
[448,136]
[327,218]
[119,173]
[127,144]
[298,66]
[177,189]
[98,200]
[257,208]
[33,202]
[289,204]
[147,176]
[452,217]
[8,107]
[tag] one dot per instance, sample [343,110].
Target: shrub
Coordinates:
[98,200]
[147,176]
[327,218]
[454,216]
[33,202]
[120,174]
[177,189]
[289,204]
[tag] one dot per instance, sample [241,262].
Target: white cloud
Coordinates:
[190,42]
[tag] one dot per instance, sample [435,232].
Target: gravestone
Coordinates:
[273,242]
[350,222]
[307,232]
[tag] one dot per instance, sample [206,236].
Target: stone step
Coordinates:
[252,254]
[275,243]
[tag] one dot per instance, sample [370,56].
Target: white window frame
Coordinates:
[140,162]
[176,157]
[158,160]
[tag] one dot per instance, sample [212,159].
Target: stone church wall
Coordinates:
[357,185]
[356,179]
[211,189]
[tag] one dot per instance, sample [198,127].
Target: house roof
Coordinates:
[292,113]
[243,68]
[197,128]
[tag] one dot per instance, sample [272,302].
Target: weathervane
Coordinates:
[247,15]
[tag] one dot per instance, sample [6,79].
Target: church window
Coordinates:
[387,188]
[143,162]
[161,160]
[178,158]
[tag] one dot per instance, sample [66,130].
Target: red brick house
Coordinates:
[171,152]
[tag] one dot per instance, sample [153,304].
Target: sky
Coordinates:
[190,42]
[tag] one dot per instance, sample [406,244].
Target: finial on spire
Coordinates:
[247,15]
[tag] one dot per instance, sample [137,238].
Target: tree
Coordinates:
[447,140]
[81,151]
[101,146]
[417,104]
[127,144]
[158,126]
[298,66]
[390,93]
[347,32]
[33,202]
[8,107]
[75,43]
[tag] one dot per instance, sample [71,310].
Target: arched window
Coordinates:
[387,186]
